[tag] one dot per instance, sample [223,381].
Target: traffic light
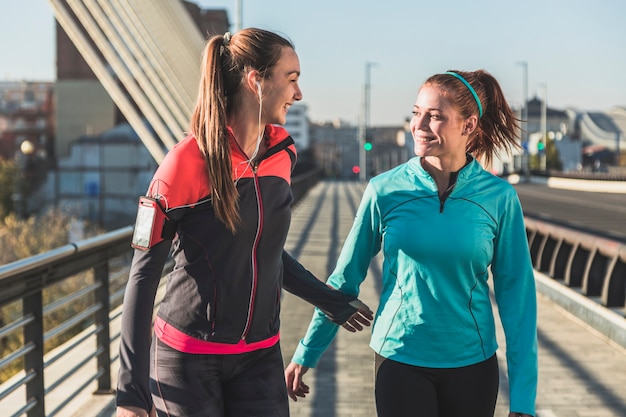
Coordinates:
[356,169]
[541,147]
[367,146]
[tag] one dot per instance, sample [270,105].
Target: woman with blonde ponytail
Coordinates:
[221,199]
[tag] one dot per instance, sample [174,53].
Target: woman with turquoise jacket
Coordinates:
[446,227]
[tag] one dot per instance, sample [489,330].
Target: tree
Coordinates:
[8,172]
[553,159]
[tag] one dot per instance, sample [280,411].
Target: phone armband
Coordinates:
[152,224]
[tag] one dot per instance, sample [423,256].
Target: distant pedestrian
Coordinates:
[222,198]
[446,227]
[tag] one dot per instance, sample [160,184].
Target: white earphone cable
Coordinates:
[259,131]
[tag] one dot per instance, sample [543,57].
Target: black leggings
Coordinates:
[244,385]
[412,391]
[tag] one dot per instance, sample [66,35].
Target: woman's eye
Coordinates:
[435,116]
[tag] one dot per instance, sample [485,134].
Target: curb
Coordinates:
[601,319]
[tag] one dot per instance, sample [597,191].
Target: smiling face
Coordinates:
[281,89]
[437,127]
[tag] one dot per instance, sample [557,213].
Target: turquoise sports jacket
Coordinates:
[435,308]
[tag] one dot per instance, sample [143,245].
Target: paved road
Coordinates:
[596,212]
[581,373]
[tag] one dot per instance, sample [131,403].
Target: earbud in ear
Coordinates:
[258,88]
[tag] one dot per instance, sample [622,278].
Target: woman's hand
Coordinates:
[362,317]
[135,412]
[293,378]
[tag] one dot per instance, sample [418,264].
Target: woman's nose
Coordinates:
[298,93]
[419,123]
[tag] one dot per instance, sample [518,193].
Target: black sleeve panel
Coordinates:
[136,333]
[302,283]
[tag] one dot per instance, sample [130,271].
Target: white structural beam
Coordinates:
[155,56]
[153,48]
[107,79]
[121,71]
[132,75]
[170,34]
[123,40]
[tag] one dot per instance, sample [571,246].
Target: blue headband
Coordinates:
[471,89]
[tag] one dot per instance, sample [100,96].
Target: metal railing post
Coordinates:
[32,305]
[101,276]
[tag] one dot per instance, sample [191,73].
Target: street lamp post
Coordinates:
[238,15]
[362,130]
[26,150]
[544,127]
[524,124]
[618,152]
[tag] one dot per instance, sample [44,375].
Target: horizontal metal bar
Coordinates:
[73,394]
[23,380]
[72,322]
[16,325]
[62,302]
[115,315]
[117,296]
[33,262]
[66,375]
[75,343]
[13,356]
[29,406]
[27,276]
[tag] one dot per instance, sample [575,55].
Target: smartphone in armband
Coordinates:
[152,225]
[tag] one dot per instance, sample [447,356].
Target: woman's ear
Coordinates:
[253,81]
[470,125]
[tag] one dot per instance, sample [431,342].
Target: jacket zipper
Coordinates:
[448,191]
[255,166]
[253,255]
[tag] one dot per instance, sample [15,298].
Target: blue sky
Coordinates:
[575,48]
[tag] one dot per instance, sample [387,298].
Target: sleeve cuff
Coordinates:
[307,356]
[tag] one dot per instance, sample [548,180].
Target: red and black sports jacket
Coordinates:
[224,287]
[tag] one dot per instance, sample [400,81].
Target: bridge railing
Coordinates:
[26,311]
[594,265]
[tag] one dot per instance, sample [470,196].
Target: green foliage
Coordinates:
[553,159]
[8,172]
[22,238]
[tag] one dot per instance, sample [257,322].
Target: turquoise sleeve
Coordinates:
[318,337]
[514,286]
[361,245]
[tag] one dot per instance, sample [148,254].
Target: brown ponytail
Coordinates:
[225,62]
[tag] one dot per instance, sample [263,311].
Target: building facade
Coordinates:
[27,115]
